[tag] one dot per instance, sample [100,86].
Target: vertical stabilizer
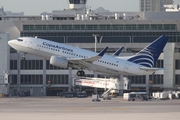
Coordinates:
[149,55]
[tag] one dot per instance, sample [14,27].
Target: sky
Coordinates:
[35,7]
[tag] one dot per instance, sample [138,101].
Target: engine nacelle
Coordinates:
[59,61]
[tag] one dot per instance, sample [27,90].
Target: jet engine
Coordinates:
[59,61]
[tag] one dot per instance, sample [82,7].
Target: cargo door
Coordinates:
[30,43]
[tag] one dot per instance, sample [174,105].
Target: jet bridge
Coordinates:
[106,83]
[111,85]
[98,82]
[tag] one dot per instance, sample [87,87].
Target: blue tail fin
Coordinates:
[117,53]
[149,55]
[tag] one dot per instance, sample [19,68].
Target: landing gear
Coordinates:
[24,58]
[80,73]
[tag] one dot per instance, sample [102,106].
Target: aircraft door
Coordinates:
[30,43]
[126,67]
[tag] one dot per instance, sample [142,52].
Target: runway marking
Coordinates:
[92,108]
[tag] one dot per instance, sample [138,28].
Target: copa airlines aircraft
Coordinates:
[65,56]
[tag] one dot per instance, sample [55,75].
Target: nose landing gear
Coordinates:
[24,57]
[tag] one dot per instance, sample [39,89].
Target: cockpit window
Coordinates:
[20,40]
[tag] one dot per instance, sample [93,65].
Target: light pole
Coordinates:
[95,42]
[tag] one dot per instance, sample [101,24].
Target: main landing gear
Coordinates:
[80,73]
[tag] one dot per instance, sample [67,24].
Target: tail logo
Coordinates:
[144,57]
[149,55]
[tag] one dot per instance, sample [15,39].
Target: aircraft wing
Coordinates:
[150,69]
[89,59]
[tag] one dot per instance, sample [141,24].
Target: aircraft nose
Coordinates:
[11,42]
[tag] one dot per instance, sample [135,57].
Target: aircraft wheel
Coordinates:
[78,73]
[82,73]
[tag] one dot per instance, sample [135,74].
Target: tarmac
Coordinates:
[57,108]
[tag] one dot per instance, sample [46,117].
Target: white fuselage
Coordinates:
[106,64]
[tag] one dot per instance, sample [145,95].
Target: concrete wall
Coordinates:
[4,53]
[4,60]
[9,27]
[169,66]
[4,89]
[7,31]
[161,15]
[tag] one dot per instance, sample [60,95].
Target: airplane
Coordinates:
[64,56]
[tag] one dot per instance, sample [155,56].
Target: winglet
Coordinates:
[103,52]
[118,51]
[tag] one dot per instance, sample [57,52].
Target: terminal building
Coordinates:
[77,26]
[154,5]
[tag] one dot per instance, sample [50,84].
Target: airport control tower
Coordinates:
[78,5]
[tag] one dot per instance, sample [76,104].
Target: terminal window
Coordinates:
[56,79]
[31,64]
[77,1]
[177,79]
[103,27]
[31,79]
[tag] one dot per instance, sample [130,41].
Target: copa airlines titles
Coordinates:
[57,46]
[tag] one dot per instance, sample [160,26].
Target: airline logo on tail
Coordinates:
[148,56]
